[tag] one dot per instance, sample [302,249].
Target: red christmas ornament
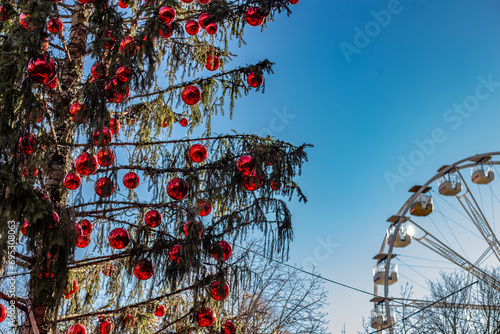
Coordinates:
[206,317]
[25,22]
[77,329]
[42,69]
[127,45]
[99,70]
[114,126]
[255,79]
[119,238]
[166,30]
[252,182]
[116,91]
[108,270]
[212,28]
[152,218]
[105,327]
[109,39]
[165,123]
[3,313]
[275,185]
[55,26]
[122,4]
[4,14]
[222,250]
[191,95]
[246,165]
[160,311]
[212,63]
[229,327]
[84,241]
[73,290]
[104,187]
[102,139]
[293,2]
[203,2]
[27,143]
[177,189]
[74,112]
[203,20]
[195,226]
[86,164]
[166,15]
[198,153]
[174,253]
[123,73]
[254,16]
[203,207]
[192,27]
[105,157]
[56,217]
[72,181]
[184,122]
[143,269]
[131,180]
[220,290]
[86,226]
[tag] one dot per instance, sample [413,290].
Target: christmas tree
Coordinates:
[108,221]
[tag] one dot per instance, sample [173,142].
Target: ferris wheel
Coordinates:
[449,220]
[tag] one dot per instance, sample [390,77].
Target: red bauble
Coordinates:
[131,180]
[24,21]
[102,137]
[254,16]
[99,70]
[229,327]
[206,317]
[84,241]
[108,270]
[198,153]
[109,39]
[24,227]
[77,329]
[105,157]
[166,15]
[73,290]
[143,269]
[203,20]
[220,290]
[203,207]
[293,2]
[194,226]
[191,95]
[42,69]
[116,91]
[119,238]
[27,143]
[184,122]
[252,182]
[56,217]
[177,189]
[105,327]
[127,45]
[160,311]
[203,2]
[222,250]
[275,185]
[166,30]
[86,226]
[122,4]
[86,164]
[192,27]
[246,165]
[114,126]
[55,26]
[212,63]
[72,181]
[212,28]
[3,313]
[255,79]
[4,14]
[104,187]
[152,218]
[174,253]
[75,112]
[123,73]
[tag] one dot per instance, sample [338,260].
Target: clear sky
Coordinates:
[366,112]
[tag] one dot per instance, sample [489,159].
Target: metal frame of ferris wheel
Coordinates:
[477,217]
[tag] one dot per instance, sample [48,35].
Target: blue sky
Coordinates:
[363,117]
